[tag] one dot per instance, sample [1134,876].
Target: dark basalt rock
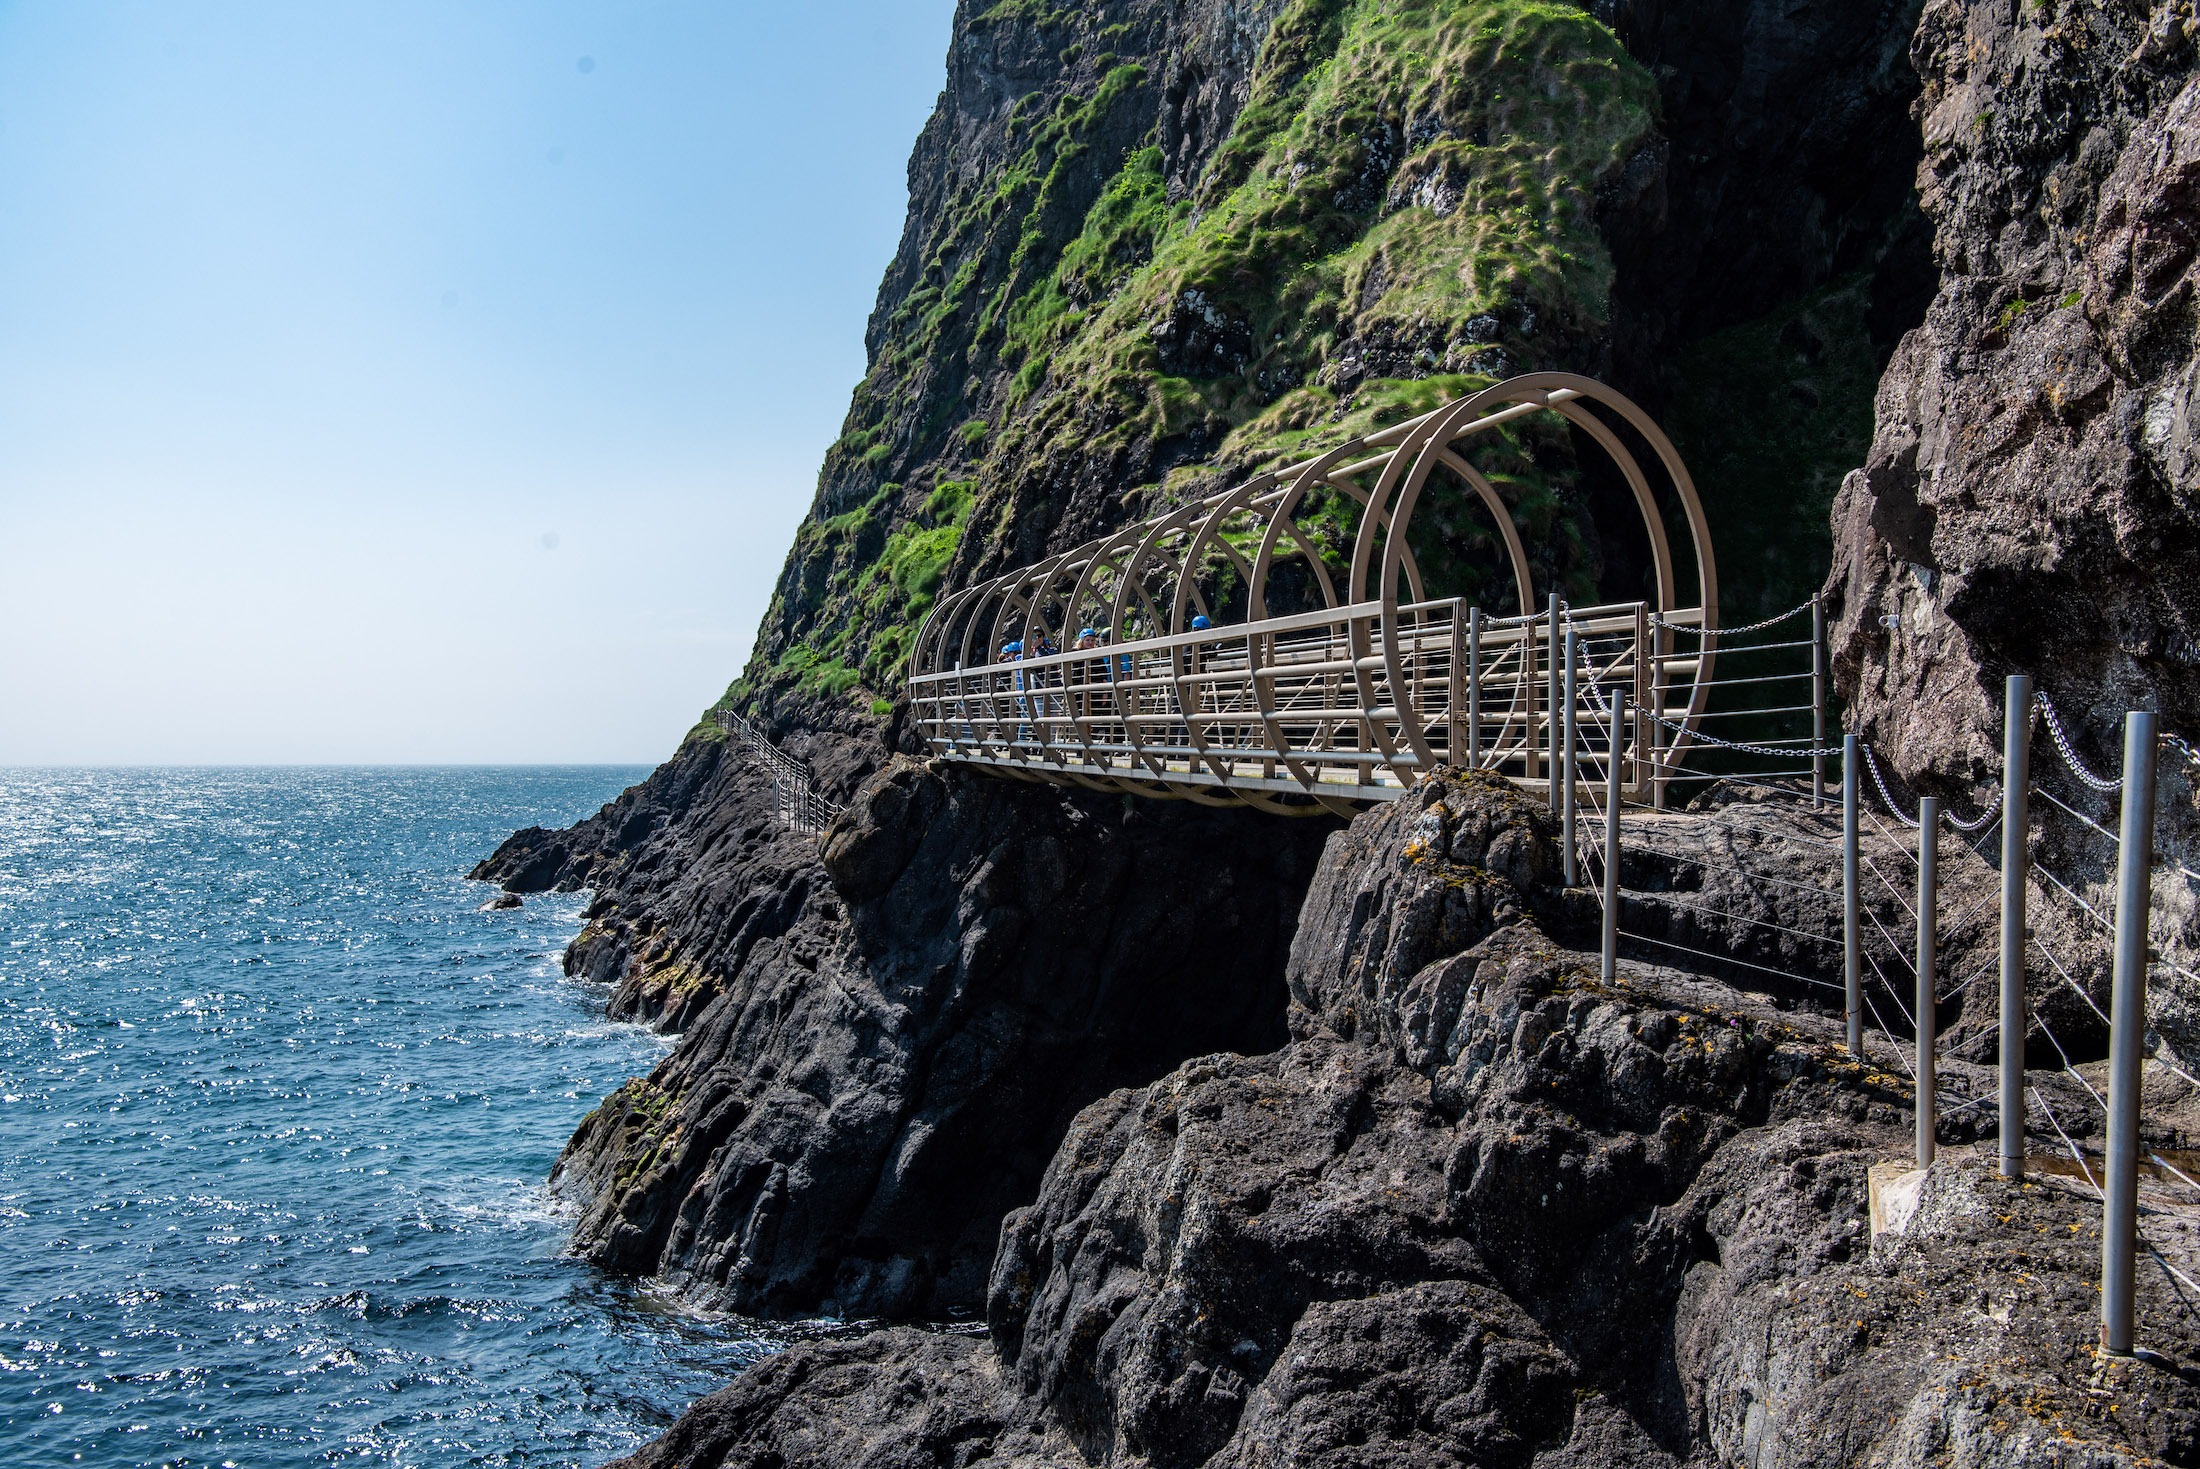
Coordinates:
[1430,1192]
[2028,504]
[881,1070]
[1545,1221]
[902,1398]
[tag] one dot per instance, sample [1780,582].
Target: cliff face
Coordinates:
[883,1048]
[2028,502]
[1148,242]
[1485,1209]
[1428,1191]
[1151,244]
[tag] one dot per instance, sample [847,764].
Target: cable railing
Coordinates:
[1314,711]
[1893,931]
[795,801]
[1614,712]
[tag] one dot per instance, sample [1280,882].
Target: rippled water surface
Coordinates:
[276,1104]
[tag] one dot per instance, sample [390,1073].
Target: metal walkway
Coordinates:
[1239,655]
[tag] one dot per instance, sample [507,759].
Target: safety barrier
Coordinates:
[1296,707]
[1869,943]
[1275,645]
[796,803]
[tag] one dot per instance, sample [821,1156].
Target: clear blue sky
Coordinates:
[423,380]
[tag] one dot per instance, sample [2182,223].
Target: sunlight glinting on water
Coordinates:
[276,1105]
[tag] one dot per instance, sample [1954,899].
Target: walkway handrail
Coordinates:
[1154,578]
[1185,696]
[796,802]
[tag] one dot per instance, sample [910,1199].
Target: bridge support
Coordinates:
[2127,1023]
[1852,911]
[2016,867]
[1568,775]
[1614,793]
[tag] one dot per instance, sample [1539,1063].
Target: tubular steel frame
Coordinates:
[1322,709]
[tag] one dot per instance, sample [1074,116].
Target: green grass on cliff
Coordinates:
[1403,210]
[1437,166]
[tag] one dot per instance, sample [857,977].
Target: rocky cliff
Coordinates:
[1484,1209]
[1425,1190]
[1151,242]
[2027,505]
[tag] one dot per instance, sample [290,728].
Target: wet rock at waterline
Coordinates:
[898,1023]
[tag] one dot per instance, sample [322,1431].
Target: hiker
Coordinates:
[1013,652]
[1046,678]
[1200,623]
[1086,641]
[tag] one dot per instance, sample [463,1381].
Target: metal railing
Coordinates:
[1338,679]
[1891,932]
[795,800]
[1599,709]
[1332,707]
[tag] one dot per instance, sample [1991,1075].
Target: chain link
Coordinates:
[1721,632]
[2183,747]
[1984,819]
[2069,755]
[1871,763]
[1777,751]
[1979,822]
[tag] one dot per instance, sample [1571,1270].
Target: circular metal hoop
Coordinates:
[1145,584]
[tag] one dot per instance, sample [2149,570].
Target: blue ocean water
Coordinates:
[276,1104]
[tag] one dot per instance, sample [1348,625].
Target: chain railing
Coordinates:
[796,801]
[1892,931]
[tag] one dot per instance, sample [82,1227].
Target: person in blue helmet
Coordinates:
[1014,653]
[1200,623]
[1081,673]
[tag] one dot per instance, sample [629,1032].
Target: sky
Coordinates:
[403,381]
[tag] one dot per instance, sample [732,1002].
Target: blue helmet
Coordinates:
[1086,632]
[1200,624]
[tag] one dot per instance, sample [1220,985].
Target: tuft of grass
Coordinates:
[1404,210]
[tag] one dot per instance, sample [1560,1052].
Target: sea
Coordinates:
[277,1101]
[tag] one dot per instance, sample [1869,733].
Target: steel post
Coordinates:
[1660,640]
[1474,687]
[1566,771]
[1852,915]
[1928,986]
[2016,818]
[1612,789]
[1551,693]
[2127,1023]
[1818,703]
